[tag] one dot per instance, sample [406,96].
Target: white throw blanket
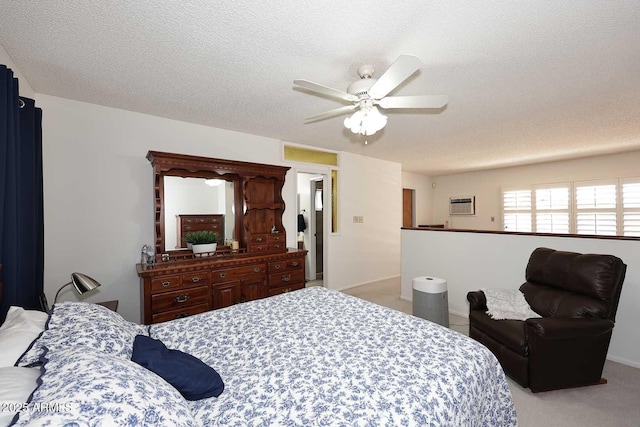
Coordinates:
[508,304]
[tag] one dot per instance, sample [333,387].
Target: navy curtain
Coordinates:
[21,198]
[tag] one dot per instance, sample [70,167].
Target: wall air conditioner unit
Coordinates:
[462,205]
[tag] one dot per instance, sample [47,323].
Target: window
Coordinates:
[516,210]
[596,209]
[605,207]
[302,154]
[552,209]
[631,208]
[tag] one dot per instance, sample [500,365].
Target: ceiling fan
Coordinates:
[368,93]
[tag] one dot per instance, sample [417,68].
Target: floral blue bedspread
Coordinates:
[320,357]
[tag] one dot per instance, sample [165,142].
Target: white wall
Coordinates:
[469,261]
[362,253]
[422,195]
[23,85]
[485,185]
[98,197]
[98,194]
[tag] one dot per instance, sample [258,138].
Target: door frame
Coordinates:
[313,226]
[324,174]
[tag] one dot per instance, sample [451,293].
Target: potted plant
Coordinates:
[202,241]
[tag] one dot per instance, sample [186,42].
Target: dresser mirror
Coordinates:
[247,195]
[197,199]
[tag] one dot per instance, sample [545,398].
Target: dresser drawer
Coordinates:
[199,277]
[165,283]
[202,220]
[238,273]
[285,289]
[286,278]
[276,237]
[258,247]
[201,227]
[276,246]
[179,313]
[178,299]
[259,238]
[285,265]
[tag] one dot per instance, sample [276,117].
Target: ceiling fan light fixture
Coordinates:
[367,92]
[366,121]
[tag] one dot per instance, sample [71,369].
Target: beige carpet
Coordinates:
[616,403]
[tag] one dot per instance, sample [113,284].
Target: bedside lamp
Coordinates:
[81,282]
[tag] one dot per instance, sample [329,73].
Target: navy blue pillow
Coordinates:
[193,378]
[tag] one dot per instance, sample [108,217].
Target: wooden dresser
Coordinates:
[209,222]
[175,289]
[181,283]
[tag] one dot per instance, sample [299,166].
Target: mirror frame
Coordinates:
[171,164]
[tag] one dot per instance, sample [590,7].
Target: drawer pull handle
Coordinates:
[183,314]
[223,275]
[258,248]
[294,263]
[286,278]
[258,239]
[277,266]
[256,269]
[195,279]
[181,298]
[165,283]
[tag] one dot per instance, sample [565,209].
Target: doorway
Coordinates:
[408,207]
[312,227]
[317,225]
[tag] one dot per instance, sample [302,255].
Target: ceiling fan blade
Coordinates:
[398,72]
[331,113]
[420,101]
[335,93]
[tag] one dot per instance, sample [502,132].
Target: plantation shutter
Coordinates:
[596,208]
[631,207]
[552,209]
[516,210]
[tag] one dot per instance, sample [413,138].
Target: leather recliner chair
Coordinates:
[577,296]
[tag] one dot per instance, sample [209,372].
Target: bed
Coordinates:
[309,357]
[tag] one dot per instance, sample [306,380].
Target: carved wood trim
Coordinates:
[172,164]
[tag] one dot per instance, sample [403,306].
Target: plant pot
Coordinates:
[208,247]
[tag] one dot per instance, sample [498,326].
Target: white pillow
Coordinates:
[16,385]
[90,389]
[92,325]
[18,331]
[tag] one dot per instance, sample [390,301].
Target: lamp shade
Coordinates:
[83,283]
[366,121]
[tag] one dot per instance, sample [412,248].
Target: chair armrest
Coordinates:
[552,328]
[477,300]
[566,352]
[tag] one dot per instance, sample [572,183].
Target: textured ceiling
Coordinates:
[527,81]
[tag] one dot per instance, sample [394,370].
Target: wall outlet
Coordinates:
[358,219]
